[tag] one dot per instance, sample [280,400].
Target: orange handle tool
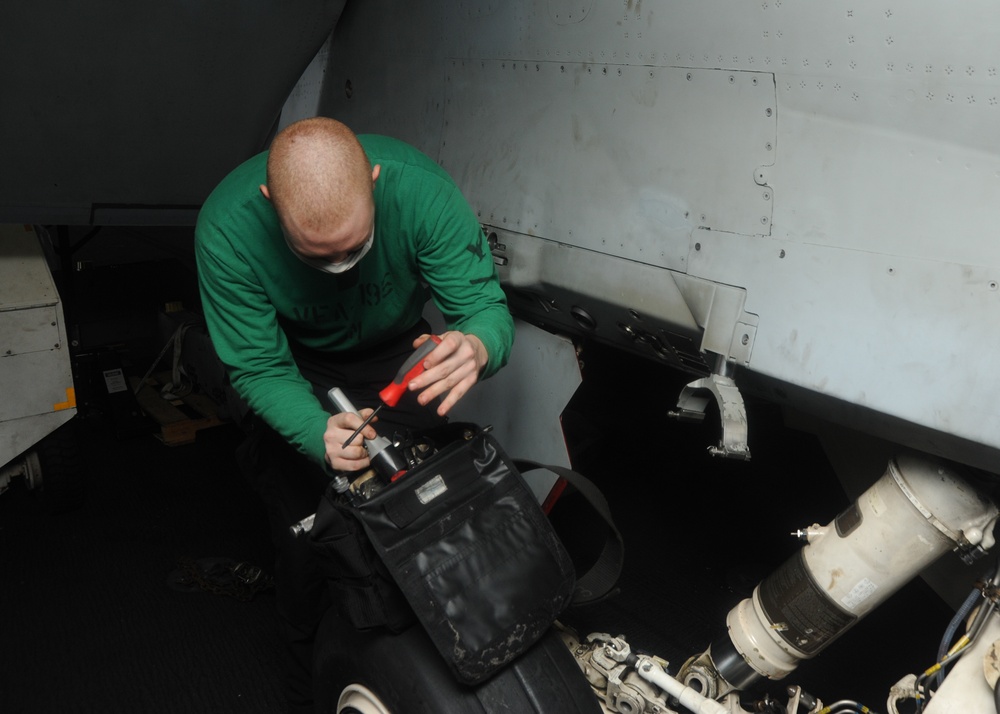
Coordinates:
[412,367]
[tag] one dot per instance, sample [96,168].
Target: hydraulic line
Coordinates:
[968,685]
[948,654]
[964,644]
[949,634]
[696,702]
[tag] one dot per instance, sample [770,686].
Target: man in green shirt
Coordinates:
[315,262]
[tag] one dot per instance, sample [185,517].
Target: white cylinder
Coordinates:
[916,512]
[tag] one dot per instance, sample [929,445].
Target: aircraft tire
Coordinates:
[380,673]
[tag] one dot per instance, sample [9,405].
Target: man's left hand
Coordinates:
[451,369]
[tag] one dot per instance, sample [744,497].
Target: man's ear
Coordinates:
[265,192]
[375,172]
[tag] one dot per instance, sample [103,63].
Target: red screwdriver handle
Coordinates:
[412,367]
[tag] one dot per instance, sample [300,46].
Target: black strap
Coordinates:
[599,581]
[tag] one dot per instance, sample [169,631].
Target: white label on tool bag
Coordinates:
[431,490]
[114,380]
[859,593]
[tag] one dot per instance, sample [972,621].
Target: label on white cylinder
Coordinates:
[859,593]
[798,609]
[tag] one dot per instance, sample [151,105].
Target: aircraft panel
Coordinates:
[676,149]
[875,280]
[884,191]
[898,335]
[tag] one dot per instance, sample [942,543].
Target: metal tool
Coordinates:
[303,526]
[384,457]
[412,367]
[366,422]
[386,462]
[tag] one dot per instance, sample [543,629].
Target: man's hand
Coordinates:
[452,368]
[339,428]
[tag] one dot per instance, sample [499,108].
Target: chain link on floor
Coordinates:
[221,576]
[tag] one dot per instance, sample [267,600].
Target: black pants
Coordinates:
[291,486]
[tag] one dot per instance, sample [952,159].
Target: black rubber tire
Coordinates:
[408,676]
[64,473]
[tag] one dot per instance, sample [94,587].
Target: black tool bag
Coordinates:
[364,592]
[461,544]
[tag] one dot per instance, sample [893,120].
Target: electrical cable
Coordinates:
[949,634]
[937,672]
[964,643]
[957,651]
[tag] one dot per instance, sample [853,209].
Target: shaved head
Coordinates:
[318,175]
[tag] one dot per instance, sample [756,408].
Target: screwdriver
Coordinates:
[412,367]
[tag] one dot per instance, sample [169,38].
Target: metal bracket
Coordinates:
[691,407]
[497,249]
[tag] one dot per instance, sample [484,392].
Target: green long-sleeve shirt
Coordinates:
[257,295]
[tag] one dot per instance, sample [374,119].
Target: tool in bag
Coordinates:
[460,544]
[382,453]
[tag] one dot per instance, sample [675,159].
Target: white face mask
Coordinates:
[343,266]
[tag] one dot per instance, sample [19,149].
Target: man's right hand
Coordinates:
[339,428]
